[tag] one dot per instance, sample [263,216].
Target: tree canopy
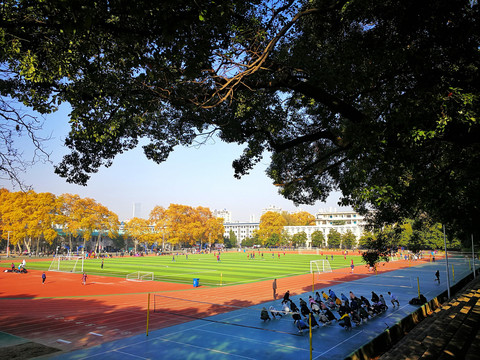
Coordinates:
[270,223]
[183,224]
[318,239]
[376,99]
[28,217]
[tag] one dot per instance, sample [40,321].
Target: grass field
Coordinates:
[232,269]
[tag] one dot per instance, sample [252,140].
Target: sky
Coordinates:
[196,176]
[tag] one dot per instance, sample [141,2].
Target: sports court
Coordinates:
[238,333]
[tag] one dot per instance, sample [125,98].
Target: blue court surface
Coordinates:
[240,334]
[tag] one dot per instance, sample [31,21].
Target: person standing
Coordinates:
[352,266]
[437,276]
[101,266]
[274,286]
[393,299]
[44,277]
[84,278]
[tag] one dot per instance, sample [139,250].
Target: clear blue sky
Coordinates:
[200,176]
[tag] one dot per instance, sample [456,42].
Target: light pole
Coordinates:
[446,258]
[163,240]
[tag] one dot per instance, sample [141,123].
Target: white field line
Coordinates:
[333,347]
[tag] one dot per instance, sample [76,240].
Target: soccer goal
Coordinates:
[140,276]
[72,264]
[320,266]
[308,251]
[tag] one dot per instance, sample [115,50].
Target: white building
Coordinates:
[272,208]
[242,230]
[224,214]
[326,220]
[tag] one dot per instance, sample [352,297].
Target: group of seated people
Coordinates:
[320,309]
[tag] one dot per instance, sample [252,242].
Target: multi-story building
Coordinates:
[242,230]
[224,214]
[326,220]
[272,208]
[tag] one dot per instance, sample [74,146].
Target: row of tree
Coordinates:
[28,218]
[178,225]
[333,240]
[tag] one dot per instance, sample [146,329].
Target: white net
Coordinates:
[72,264]
[140,276]
[308,251]
[320,266]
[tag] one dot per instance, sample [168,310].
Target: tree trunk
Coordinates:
[27,244]
[95,248]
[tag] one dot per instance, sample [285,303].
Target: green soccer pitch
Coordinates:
[232,269]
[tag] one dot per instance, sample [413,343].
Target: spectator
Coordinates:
[264,315]
[393,299]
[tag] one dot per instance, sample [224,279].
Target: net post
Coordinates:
[313,282]
[310,335]
[148,311]
[418,285]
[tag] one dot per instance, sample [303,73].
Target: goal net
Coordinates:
[308,251]
[72,264]
[140,276]
[320,266]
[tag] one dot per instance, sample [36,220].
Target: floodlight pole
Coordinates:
[446,258]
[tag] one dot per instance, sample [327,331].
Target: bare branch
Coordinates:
[16,124]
